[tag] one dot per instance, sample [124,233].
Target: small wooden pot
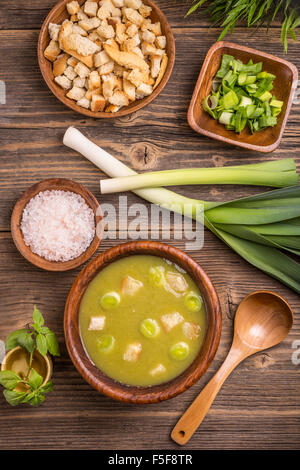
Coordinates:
[17,361]
[164,391]
[61,184]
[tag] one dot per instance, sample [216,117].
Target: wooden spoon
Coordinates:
[263,319]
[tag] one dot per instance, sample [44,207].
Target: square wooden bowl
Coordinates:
[285,85]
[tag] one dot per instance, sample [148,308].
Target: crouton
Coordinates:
[132,352]
[72,61]
[113,21]
[129,89]
[148,49]
[191,330]
[155,65]
[101,58]
[160,42]
[108,85]
[118,70]
[104,11]
[70,73]
[52,51]
[170,320]
[73,7]
[112,42]
[163,67]
[80,44]
[133,16]
[118,3]
[81,15]
[82,70]
[89,24]
[106,68]
[65,31]
[97,323]
[129,285]
[63,82]
[120,33]
[137,50]
[76,93]
[53,31]
[132,30]
[106,31]
[177,282]
[60,65]
[145,25]
[126,59]
[98,103]
[111,108]
[134,4]
[90,8]
[148,37]
[74,18]
[94,80]
[93,36]
[155,28]
[136,77]
[130,44]
[145,10]
[77,29]
[159,369]
[79,82]
[84,103]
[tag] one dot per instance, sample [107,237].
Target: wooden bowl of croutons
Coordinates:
[106,58]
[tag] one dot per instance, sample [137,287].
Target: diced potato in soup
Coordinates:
[142,320]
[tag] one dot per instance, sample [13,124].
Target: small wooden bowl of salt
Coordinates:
[56,224]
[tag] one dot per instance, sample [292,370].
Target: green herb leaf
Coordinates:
[38,317]
[26,341]
[35,379]
[48,387]
[52,344]
[14,398]
[35,398]
[11,340]
[41,344]
[9,379]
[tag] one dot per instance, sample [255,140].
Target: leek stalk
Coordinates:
[251,242]
[280,175]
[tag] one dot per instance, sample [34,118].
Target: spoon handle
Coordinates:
[194,415]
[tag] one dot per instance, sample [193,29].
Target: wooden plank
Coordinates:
[258,406]
[248,407]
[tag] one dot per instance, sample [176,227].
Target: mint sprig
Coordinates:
[35,337]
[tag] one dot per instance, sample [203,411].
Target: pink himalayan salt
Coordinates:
[58,225]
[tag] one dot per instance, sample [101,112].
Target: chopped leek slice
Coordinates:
[241,96]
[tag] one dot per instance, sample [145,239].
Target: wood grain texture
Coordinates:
[258,406]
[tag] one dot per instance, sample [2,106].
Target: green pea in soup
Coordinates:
[142,320]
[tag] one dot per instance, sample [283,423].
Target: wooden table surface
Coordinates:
[258,406]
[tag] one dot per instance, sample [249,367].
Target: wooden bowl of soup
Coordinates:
[142,322]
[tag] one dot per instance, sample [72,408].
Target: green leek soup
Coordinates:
[142,320]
